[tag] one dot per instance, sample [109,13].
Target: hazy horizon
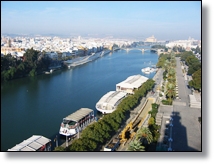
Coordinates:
[173,20]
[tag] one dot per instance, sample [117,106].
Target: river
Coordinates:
[37,105]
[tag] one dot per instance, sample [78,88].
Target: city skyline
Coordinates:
[165,20]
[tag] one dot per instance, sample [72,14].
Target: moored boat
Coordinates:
[76,121]
[149,70]
[108,103]
[34,143]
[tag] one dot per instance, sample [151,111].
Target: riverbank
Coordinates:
[62,93]
[85,59]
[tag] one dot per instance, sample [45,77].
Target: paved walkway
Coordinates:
[186,132]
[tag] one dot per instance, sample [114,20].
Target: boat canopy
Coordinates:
[79,114]
[111,98]
[33,143]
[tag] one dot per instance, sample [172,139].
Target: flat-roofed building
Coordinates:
[108,103]
[131,83]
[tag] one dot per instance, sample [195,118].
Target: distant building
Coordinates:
[52,55]
[151,39]
[187,44]
[7,50]
[66,54]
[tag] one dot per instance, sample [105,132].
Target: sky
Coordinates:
[166,20]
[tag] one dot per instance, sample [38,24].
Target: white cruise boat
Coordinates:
[76,121]
[108,103]
[148,70]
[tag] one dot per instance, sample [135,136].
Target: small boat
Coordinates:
[47,72]
[146,70]
[149,70]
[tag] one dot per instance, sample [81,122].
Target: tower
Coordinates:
[9,43]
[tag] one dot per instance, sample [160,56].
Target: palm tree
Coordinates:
[145,133]
[136,146]
[170,91]
[171,79]
[171,71]
[167,65]
[173,62]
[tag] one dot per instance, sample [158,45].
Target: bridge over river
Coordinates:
[158,51]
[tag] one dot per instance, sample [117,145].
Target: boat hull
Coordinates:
[103,111]
[67,132]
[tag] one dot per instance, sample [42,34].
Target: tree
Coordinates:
[175,48]
[193,68]
[89,144]
[170,93]
[94,133]
[59,148]
[154,110]
[198,50]
[144,132]
[33,72]
[161,60]
[171,71]
[196,80]
[30,57]
[171,76]
[77,145]
[191,59]
[151,121]
[136,146]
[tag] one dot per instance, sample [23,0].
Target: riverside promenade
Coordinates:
[180,129]
[186,132]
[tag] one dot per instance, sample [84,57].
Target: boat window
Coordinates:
[72,123]
[65,121]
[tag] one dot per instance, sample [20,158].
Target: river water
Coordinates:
[37,105]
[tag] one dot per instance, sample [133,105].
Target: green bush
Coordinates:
[166,102]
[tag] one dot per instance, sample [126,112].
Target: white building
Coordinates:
[190,43]
[151,39]
[108,103]
[131,83]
